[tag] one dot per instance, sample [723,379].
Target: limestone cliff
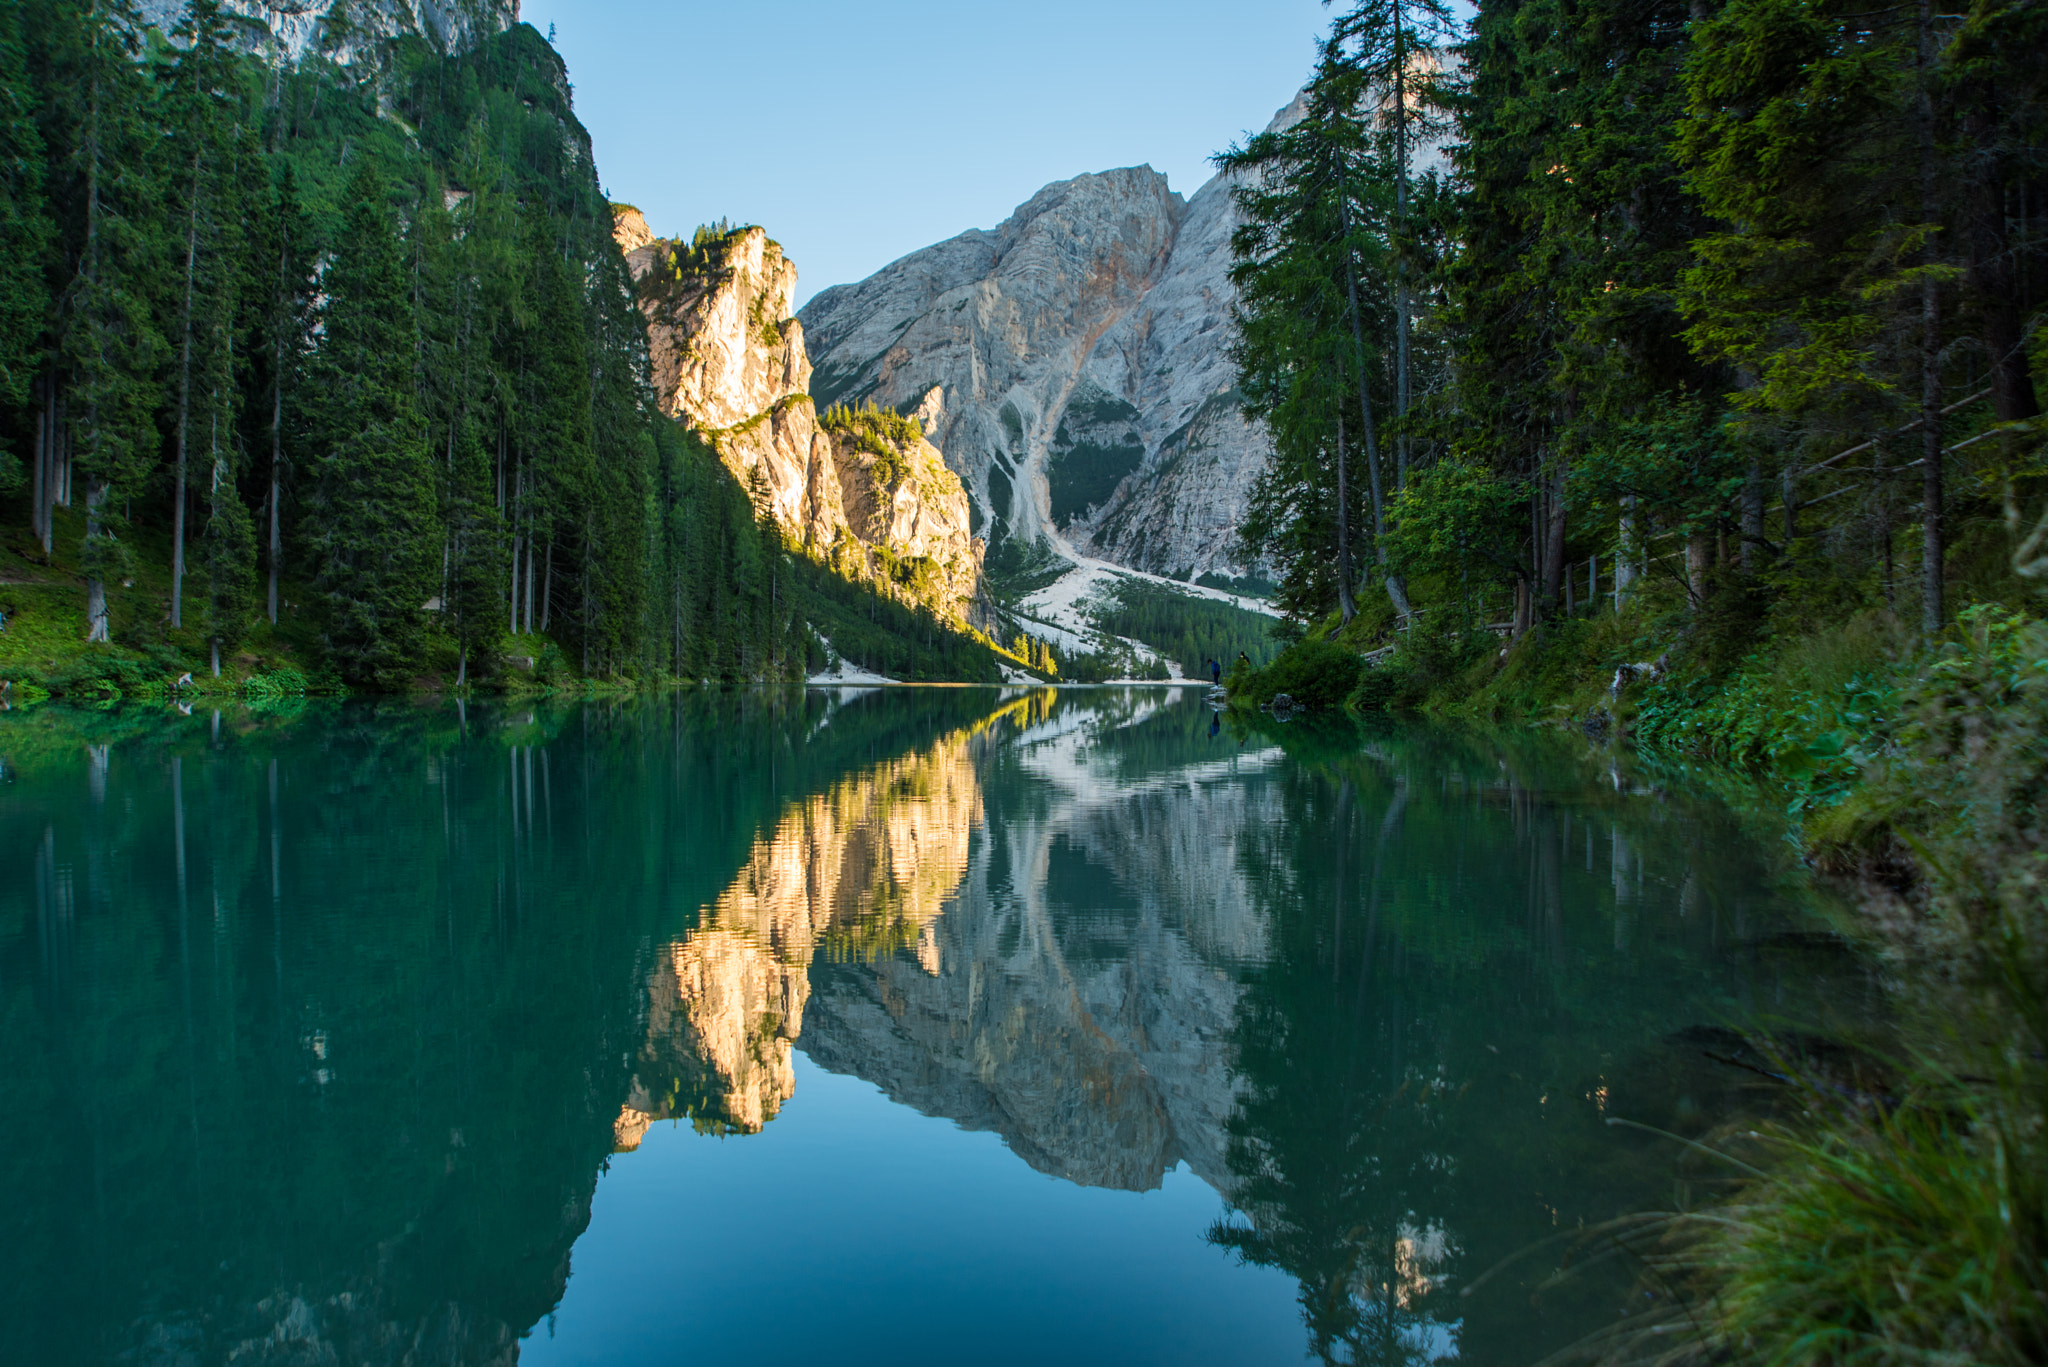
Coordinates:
[346,31]
[875,500]
[1075,360]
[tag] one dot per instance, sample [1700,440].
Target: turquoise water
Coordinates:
[905,1026]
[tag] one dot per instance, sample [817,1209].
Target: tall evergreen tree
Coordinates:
[111,348]
[372,524]
[25,234]
[200,111]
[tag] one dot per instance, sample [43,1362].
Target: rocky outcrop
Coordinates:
[729,359]
[346,31]
[1075,360]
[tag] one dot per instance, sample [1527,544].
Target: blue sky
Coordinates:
[857,133]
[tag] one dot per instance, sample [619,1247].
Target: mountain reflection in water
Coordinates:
[320,1028]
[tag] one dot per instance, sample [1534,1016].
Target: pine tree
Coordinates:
[278,296]
[199,110]
[112,352]
[372,525]
[25,234]
[476,553]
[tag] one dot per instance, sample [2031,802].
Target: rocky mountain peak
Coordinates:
[1074,358]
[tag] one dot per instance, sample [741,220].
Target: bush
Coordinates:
[1313,673]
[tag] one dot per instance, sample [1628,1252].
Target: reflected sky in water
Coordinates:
[905,1026]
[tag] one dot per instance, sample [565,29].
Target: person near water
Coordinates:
[1244,659]
[1216,672]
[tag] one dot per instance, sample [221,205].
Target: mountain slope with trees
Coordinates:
[332,366]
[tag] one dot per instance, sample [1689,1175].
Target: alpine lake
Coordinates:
[906,1026]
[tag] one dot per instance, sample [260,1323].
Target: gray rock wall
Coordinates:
[1076,355]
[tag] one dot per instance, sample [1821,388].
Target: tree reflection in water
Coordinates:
[1480,952]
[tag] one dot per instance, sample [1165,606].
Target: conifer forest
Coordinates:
[340,372]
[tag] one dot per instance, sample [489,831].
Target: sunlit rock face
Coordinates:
[346,31]
[728,358]
[858,872]
[1076,358]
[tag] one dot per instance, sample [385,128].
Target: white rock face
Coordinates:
[285,30]
[728,359]
[1075,356]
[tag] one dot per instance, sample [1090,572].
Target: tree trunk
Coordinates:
[184,406]
[1552,570]
[547,590]
[1933,550]
[39,512]
[1345,605]
[1699,559]
[1372,441]
[1627,561]
[1400,244]
[95,589]
[1750,553]
[1789,491]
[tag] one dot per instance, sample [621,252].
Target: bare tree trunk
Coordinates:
[184,407]
[1933,549]
[95,588]
[1372,441]
[1626,561]
[1699,559]
[1401,302]
[1345,605]
[1750,553]
[1552,570]
[547,591]
[39,512]
[1789,491]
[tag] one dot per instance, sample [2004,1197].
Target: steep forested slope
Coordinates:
[333,362]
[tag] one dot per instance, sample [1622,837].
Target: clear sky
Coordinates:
[856,133]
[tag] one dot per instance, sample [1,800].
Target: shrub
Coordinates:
[1313,673]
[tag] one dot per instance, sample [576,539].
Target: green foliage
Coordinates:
[373,525]
[881,432]
[1313,673]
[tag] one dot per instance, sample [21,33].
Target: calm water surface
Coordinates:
[910,1026]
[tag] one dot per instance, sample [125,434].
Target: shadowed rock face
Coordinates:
[285,30]
[1075,357]
[728,359]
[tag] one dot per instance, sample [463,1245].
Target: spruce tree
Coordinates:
[112,351]
[372,525]
[278,296]
[199,110]
[25,234]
